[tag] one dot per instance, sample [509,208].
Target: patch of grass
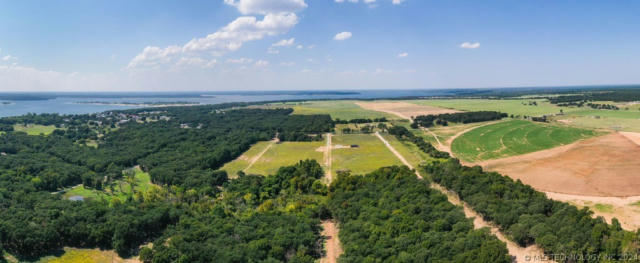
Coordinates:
[120,189]
[514,106]
[34,129]
[232,168]
[286,153]
[370,155]
[605,208]
[409,151]
[338,109]
[624,120]
[78,255]
[514,138]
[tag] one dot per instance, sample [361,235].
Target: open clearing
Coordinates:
[607,165]
[284,154]
[242,162]
[77,255]
[621,120]
[120,189]
[514,137]
[338,109]
[403,110]
[516,106]
[34,129]
[625,209]
[370,154]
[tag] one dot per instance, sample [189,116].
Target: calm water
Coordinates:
[64,104]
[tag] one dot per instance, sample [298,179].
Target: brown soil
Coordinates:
[625,209]
[332,243]
[603,166]
[403,110]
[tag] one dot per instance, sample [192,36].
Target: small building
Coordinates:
[355,146]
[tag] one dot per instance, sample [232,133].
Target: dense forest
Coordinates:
[180,147]
[528,216]
[361,120]
[620,95]
[458,117]
[392,216]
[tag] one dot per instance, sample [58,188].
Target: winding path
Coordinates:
[521,254]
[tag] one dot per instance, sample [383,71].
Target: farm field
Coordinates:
[241,163]
[120,189]
[403,110]
[599,166]
[286,153]
[514,137]
[338,109]
[622,120]
[78,255]
[34,129]
[515,106]
[370,154]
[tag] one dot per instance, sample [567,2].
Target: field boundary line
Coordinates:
[520,253]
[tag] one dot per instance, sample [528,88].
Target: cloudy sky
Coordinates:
[150,45]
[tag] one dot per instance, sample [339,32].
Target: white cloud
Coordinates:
[261,63]
[397,2]
[403,55]
[469,45]
[228,38]
[371,3]
[240,60]
[287,64]
[342,36]
[284,42]
[299,47]
[9,57]
[267,6]
[311,46]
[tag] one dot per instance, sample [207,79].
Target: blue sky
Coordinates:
[75,45]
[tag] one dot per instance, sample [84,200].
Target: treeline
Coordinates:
[404,134]
[361,120]
[272,218]
[390,215]
[620,95]
[529,217]
[33,221]
[603,106]
[459,117]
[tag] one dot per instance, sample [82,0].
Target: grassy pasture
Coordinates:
[409,151]
[370,155]
[34,129]
[514,138]
[81,255]
[338,109]
[515,106]
[286,153]
[232,168]
[624,120]
[120,189]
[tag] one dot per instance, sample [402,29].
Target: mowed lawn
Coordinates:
[239,164]
[338,109]
[286,153]
[514,138]
[370,154]
[34,129]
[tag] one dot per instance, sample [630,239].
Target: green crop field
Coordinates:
[370,155]
[34,129]
[239,164]
[514,138]
[338,109]
[120,189]
[515,106]
[286,153]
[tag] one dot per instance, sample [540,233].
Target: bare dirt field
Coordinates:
[607,165]
[625,209]
[403,109]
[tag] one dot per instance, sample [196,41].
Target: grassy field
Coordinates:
[515,107]
[34,129]
[120,189]
[514,138]
[338,109]
[409,151]
[623,120]
[370,155]
[242,162]
[80,255]
[286,153]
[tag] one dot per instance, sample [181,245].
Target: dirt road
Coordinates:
[520,253]
[257,157]
[332,242]
[327,159]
